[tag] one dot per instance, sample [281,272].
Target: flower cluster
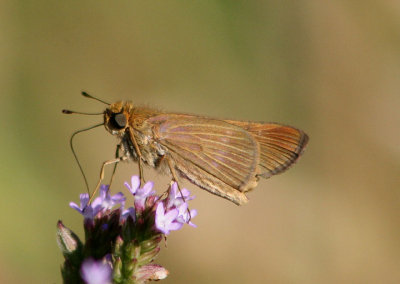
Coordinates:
[121,243]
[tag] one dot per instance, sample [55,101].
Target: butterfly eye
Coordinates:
[118,121]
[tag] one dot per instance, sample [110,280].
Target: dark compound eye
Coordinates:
[118,121]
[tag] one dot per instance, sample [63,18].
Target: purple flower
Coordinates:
[102,203]
[178,200]
[165,219]
[128,212]
[96,272]
[140,194]
[175,196]
[184,216]
[134,186]
[150,218]
[109,201]
[89,211]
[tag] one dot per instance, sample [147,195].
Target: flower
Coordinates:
[185,216]
[89,211]
[121,244]
[100,204]
[109,201]
[140,194]
[165,219]
[95,272]
[135,184]
[128,212]
[176,197]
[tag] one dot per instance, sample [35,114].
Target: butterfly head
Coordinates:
[116,117]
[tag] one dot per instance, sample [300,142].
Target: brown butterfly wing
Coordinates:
[218,156]
[280,145]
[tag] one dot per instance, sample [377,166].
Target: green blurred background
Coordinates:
[331,68]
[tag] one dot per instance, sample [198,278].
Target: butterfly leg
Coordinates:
[106,163]
[116,164]
[139,153]
[175,179]
[173,172]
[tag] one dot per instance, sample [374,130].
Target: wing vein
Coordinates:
[199,166]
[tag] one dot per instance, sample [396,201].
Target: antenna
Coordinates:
[76,157]
[94,98]
[67,111]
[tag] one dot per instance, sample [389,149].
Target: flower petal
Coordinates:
[84,199]
[171,215]
[75,206]
[175,226]
[135,184]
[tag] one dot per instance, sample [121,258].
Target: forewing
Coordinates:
[221,151]
[280,145]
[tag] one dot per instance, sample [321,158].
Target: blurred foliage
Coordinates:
[330,68]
